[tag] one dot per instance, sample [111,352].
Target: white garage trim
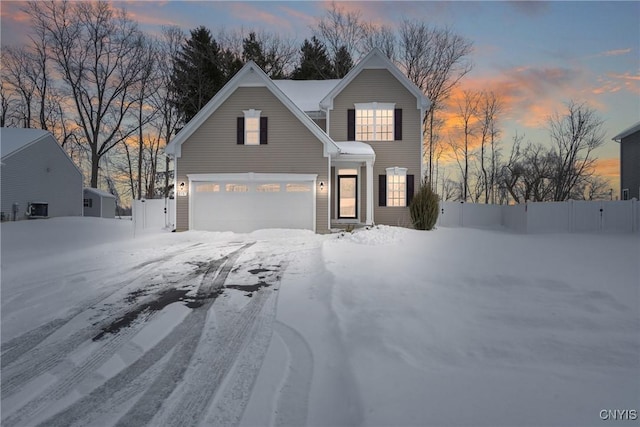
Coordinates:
[243,203]
[251,177]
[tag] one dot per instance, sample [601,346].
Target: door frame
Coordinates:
[355,217]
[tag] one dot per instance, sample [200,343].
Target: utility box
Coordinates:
[37,210]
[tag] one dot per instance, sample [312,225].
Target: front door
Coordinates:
[347,196]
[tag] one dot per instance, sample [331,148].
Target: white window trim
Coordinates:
[376,106]
[397,171]
[251,114]
[625,191]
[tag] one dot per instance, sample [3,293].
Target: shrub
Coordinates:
[424,208]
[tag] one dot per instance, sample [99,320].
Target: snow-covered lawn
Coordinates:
[386,326]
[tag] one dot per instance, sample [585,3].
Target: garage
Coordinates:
[251,201]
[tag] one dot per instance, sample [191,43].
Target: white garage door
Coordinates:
[244,205]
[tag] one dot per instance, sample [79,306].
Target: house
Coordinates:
[302,154]
[38,178]
[99,203]
[629,140]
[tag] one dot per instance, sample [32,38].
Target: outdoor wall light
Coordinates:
[182,189]
[321,185]
[182,186]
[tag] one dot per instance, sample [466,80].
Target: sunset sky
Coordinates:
[537,55]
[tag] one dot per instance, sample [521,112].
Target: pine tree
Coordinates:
[314,62]
[342,63]
[198,73]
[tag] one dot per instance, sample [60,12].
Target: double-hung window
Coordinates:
[396,186]
[252,128]
[374,121]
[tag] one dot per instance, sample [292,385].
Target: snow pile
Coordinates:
[376,235]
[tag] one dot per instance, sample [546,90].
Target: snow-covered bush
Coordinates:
[424,208]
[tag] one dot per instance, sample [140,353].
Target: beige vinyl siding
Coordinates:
[291,148]
[379,85]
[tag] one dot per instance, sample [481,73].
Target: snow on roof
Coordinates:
[99,192]
[625,133]
[13,139]
[355,147]
[306,94]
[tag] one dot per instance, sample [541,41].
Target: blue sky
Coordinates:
[538,55]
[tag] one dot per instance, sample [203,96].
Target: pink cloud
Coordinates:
[248,12]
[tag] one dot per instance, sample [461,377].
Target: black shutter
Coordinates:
[397,124]
[240,130]
[382,190]
[263,130]
[409,189]
[351,125]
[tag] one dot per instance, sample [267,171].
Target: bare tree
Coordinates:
[339,28]
[434,59]
[96,49]
[6,101]
[489,107]
[467,113]
[381,37]
[17,66]
[574,135]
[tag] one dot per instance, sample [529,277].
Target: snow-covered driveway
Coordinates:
[165,335]
[279,327]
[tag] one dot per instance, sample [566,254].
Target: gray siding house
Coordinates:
[312,155]
[38,179]
[99,203]
[629,140]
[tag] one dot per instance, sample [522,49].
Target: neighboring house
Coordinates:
[99,203]
[629,140]
[38,178]
[302,154]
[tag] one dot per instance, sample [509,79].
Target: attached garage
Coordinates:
[245,202]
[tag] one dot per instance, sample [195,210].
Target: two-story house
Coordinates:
[302,154]
[629,140]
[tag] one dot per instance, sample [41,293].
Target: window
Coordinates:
[268,188]
[252,127]
[88,203]
[298,188]
[374,122]
[396,186]
[236,188]
[206,187]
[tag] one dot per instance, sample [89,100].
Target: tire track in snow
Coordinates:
[32,359]
[210,367]
[180,340]
[293,402]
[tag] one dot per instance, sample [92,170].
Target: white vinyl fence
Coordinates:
[546,217]
[154,214]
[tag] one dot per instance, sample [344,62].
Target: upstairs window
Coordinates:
[374,121]
[252,129]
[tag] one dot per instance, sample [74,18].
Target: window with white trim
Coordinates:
[375,121]
[396,186]
[252,127]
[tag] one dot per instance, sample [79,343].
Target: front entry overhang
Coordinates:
[358,152]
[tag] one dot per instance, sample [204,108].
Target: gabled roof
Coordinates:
[100,193]
[13,140]
[625,133]
[250,75]
[376,60]
[306,94]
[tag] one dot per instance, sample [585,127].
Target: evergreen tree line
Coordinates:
[203,65]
